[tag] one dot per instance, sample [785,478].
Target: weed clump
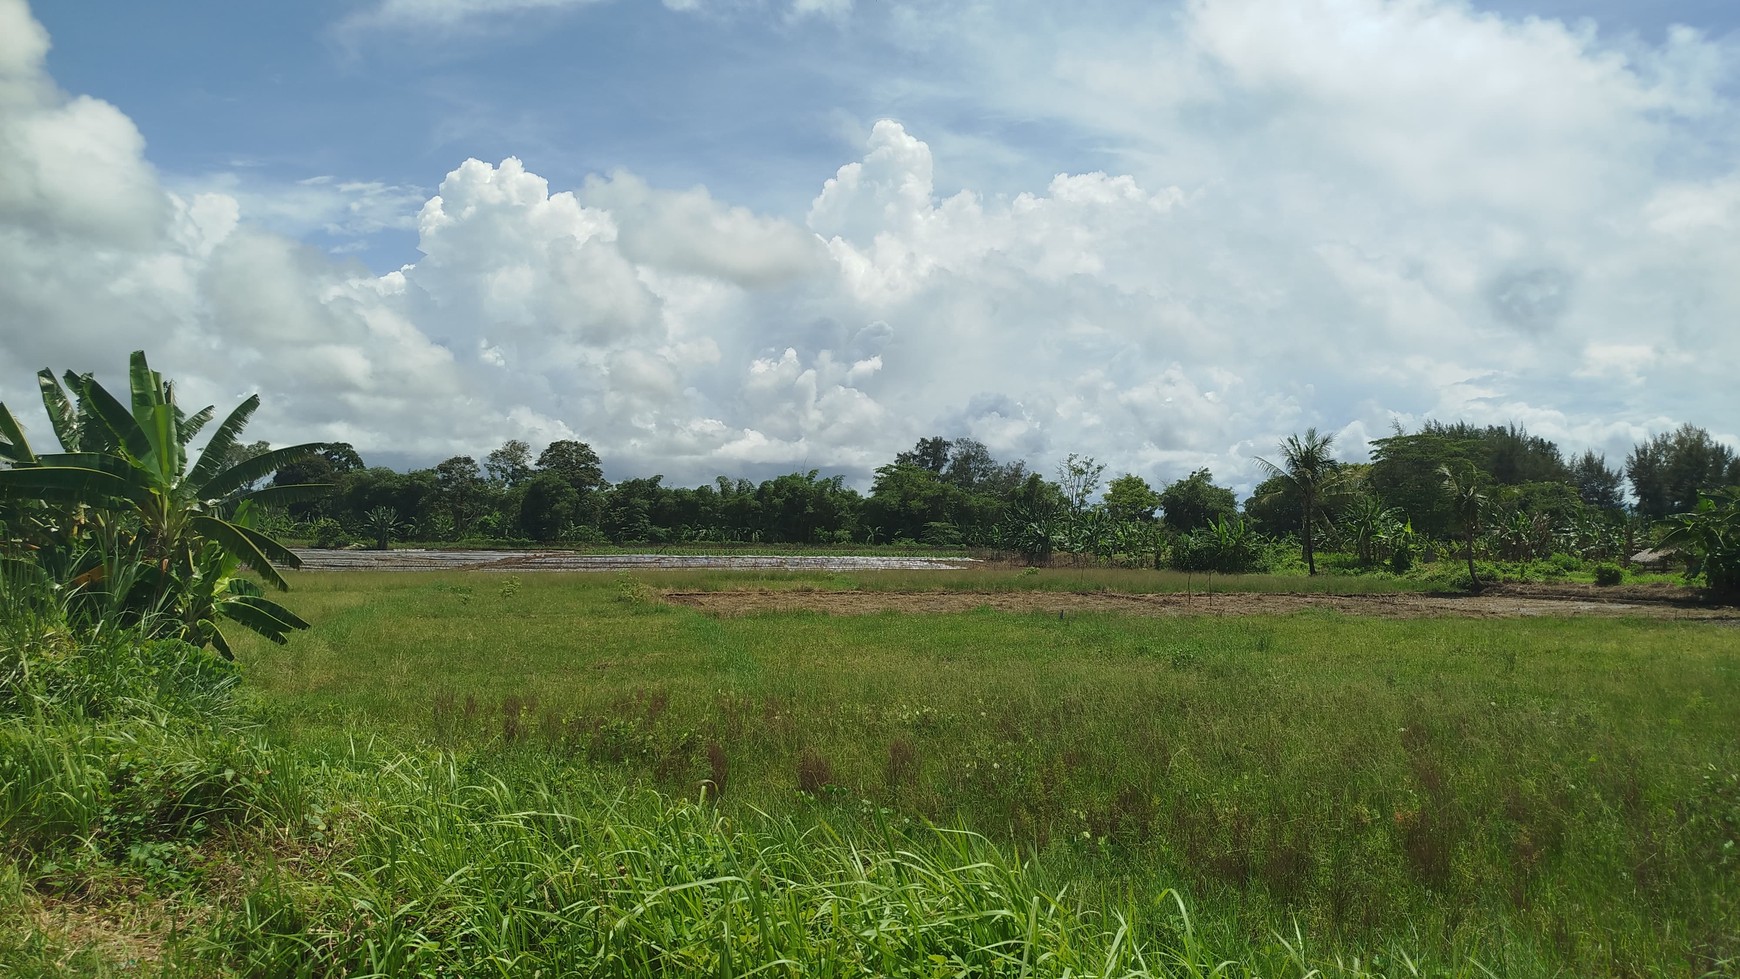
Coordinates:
[814,773]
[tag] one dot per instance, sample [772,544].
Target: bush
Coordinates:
[118,750]
[1607,575]
[1402,559]
[113,675]
[326,532]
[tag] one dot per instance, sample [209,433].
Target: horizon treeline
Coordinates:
[952,492]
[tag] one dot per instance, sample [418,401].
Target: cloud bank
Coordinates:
[1340,213]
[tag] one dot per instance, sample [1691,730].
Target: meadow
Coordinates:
[470,773]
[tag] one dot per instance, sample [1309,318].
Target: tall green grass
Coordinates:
[1480,787]
[483,774]
[556,872]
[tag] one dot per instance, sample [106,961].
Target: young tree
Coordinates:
[1311,471]
[1080,478]
[1468,503]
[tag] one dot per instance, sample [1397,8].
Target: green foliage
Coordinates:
[383,524]
[134,533]
[328,533]
[1672,471]
[1130,498]
[1225,547]
[117,751]
[1467,500]
[1598,485]
[1608,575]
[1194,502]
[1711,533]
[1309,469]
[1079,478]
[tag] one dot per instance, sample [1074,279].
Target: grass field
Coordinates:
[473,773]
[1556,794]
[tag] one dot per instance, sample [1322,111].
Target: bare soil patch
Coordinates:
[1494,603]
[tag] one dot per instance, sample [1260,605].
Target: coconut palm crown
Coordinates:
[1311,470]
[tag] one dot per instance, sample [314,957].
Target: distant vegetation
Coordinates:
[1504,502]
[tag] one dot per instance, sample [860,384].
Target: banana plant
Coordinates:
[125,469]
[1711,532]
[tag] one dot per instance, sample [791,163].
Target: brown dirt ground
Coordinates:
[1509,601]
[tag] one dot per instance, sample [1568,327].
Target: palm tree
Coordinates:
[1313,473]
[1467,502]
[181,530]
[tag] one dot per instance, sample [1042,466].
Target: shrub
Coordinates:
[1402,559]
[1607,575]
[326,532]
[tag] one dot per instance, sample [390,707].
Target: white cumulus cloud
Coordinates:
[1340,213]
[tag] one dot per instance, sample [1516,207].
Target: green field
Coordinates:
[456,764]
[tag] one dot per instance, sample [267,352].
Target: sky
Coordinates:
[747,237]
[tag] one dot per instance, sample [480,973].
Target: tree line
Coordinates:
[1533,500]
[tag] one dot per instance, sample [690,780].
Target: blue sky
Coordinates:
[747,102]
[806,232]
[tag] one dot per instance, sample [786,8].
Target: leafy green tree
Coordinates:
[1598,485]
[460,491]
[800,507]
[631,509]
[159,539]
[549,504]
[906,498]
[1079,476]
[1273,508]
[326,467]
[575,462]
[510,465]
[970,465]
[1507,454]
[1129,498]
[1194,502]
[1406,474]
[930,454]
[365,489]
[1310,469]
[1672,471]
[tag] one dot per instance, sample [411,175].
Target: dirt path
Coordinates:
[1500,604]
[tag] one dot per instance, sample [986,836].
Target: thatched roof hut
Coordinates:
[1656,560]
